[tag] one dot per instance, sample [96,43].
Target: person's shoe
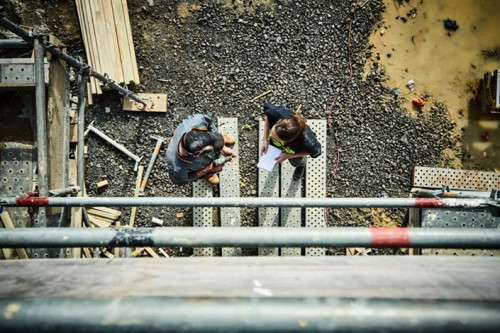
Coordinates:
[298,172]
[213,179]
[229,140]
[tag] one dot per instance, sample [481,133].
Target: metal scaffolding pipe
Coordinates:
[251,237]
[53,49]
[81,127]
[165,314]
[13,44]
[244,202]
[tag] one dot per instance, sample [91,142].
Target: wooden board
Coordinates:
[107,36]
[159,100]
[367,277]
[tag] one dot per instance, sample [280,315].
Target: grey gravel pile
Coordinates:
[217,59]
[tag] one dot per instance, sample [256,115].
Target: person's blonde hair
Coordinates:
[290,128]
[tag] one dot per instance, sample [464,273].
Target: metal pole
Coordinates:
[53,49]
[293,314]
[245,202]
[81,127]
[252,237]
[13,44]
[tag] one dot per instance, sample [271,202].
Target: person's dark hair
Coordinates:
[195,140]
[290,128]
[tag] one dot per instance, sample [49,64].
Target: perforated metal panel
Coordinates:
[457,218]
[456,179]
[316,183]
[229,184]
[20,72]
[291,217]
[202,216]
[16,177]
[268,187]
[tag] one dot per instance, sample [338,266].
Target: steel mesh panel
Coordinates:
[268,187]
[316,184]
[16,177]
[456,179]
[202,216]
[20,71]
[459,218]
[229,184]
[291,217]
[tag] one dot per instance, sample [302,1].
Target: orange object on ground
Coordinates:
[418,102]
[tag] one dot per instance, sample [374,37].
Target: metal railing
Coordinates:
[252,237]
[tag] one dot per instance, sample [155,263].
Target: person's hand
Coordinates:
[282,157]
[226,151]
[265,143]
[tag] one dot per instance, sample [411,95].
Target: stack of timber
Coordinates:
[107,36]
[103,217]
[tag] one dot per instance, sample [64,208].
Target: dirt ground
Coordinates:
[447,65]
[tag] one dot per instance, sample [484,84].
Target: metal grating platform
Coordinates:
[268,187]
[19,72]
[456,179]
[202,216]
[16,177]
[230,184]
[291,217]
[316,183]
[457,218]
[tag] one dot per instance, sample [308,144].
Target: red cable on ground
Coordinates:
[329,121]
[349,61]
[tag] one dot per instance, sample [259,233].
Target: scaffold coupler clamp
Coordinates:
[495,203]
[147,106]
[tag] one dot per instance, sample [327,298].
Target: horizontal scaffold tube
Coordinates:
[169,314]
[251,237]
[242,202]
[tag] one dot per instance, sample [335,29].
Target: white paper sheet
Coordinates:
[268,160]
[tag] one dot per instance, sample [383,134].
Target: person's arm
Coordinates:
[265,139]
[208,169]
[283,157]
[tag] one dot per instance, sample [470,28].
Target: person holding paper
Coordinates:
[197,150]
[288,132]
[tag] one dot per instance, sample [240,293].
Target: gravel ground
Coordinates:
[217,55]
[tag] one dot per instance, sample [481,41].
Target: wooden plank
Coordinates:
[366,277]
[76,212]
[159,103]
[7,222]
[86,252]
[105,211]
[99,222]
[123,41]
[113,58]
[151,252]
[87,28]
[130,42]
[56,125]
[136,194]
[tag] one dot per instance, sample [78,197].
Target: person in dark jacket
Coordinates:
[194,150]
[288,131]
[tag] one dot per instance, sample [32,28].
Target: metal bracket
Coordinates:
[145,107]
